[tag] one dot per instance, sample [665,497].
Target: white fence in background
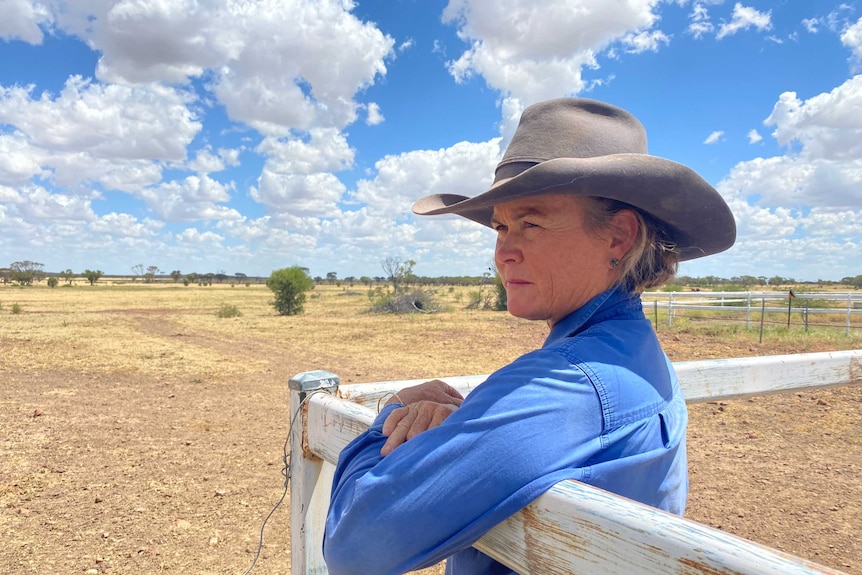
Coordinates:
[755,304]
[573,528]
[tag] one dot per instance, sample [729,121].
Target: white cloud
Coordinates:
[97,132]
[700,23]
[324,150]
[333,53]
[207,162]
[465,168]
[36,203]
[194,198]
[852,38]
[275,65]
[714,137]
[24,20]
[124,225]
[299,194]
[827,126]
[745,17]
[535,51]
[754,136]
[811,24]
[375,117]
[18,160]
[646,41]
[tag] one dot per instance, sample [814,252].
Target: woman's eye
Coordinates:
[530,225]
[499,228]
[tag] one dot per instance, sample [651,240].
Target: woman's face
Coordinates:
[550,264]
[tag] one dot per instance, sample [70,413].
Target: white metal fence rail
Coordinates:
[846,304]
[573,528]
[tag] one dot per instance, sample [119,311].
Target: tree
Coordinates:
[289,286]
[26,272]
[138,269]
[92,276]
[52,282]
[331,277]
[151,273]
[68,275]
[176,275]
[400,273]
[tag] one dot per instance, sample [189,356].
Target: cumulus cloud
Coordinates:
[745,17]
[374,115]
[190,199]
[124,226]
[536,51]
[24,20]
[206,161]
[103,121]
[754,136]
[827,126]
[852,38]
[323,150]
[274,65]
[465,168]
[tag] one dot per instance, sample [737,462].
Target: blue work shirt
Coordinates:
[598,403]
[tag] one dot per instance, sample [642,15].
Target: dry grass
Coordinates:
[142,432]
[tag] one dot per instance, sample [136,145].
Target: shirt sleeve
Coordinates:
[530,425]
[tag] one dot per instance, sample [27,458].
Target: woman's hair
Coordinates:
[653,259]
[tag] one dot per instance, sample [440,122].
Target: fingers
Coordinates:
[394,418]
[399,429]
[407,422]
[434,390]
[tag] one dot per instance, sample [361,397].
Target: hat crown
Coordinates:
[570,128]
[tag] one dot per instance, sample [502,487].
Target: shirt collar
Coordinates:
[591,313]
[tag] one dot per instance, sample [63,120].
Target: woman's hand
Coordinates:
[426,406]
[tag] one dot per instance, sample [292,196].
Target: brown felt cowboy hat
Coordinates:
[589,148]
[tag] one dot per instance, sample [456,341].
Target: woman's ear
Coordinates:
[624,229]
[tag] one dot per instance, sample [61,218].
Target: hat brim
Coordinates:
[698,220]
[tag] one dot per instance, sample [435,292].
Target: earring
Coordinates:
[615,262]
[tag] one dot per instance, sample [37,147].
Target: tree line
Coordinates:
[395,271]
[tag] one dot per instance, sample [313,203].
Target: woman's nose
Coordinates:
[508,248]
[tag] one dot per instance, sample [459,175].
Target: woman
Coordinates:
[585,221]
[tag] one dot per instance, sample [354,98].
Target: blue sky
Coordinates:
[246,136]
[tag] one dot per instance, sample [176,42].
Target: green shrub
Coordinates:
[289,286]
[502,301]
[52,282]
[228,310]
[16,309]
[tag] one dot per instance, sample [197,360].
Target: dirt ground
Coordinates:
[115,468]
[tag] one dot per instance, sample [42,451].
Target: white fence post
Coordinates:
[311,479]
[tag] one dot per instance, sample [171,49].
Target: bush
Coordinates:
[502,301]
[16,309]
[289,286]
[228,310]
[52,282]
[418,300]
